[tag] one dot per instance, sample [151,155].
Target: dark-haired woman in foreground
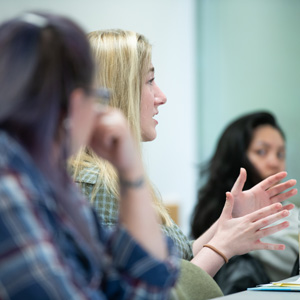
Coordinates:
[257,143]
[52,246]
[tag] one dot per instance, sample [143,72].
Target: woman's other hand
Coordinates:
[261,195]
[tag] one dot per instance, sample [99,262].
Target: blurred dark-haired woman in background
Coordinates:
[257,143]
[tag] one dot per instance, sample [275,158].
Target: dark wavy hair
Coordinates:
[224,167]
[43,58]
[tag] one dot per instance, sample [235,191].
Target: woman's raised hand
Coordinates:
[236,236]
[261,195]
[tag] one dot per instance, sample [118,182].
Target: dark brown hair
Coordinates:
[224,167]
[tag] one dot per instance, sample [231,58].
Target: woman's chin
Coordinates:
[149,137]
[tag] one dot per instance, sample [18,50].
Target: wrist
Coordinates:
[132,178]
[222,247]
[220,253]
[132,183]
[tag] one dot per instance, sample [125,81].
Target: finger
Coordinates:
[272,229]
[284,196]
[261,223]
[279,188]
[227,209]
[288,206]
[268,246]
[270,181]
[239,183]
[264,212]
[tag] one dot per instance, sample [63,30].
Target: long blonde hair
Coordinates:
[123,59]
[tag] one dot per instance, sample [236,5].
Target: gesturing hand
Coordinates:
[236,236]
[262,194]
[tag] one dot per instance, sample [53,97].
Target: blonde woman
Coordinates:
[125,67]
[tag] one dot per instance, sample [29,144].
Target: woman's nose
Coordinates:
[273,160]
[160,97]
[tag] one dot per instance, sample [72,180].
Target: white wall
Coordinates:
[169,25]
[250,60]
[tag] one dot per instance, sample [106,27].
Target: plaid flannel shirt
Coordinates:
[42,255]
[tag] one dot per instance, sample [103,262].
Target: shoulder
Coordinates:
[35,237]
[103,200]
[181,242]
[194,281]
[88,174]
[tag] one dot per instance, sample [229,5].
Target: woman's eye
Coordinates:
[261,152]
[151,80]
[281,155]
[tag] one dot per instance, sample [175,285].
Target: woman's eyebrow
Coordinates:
[266,144]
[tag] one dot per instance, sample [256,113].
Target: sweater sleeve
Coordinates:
[135,273]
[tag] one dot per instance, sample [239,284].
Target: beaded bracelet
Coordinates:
[217,251]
